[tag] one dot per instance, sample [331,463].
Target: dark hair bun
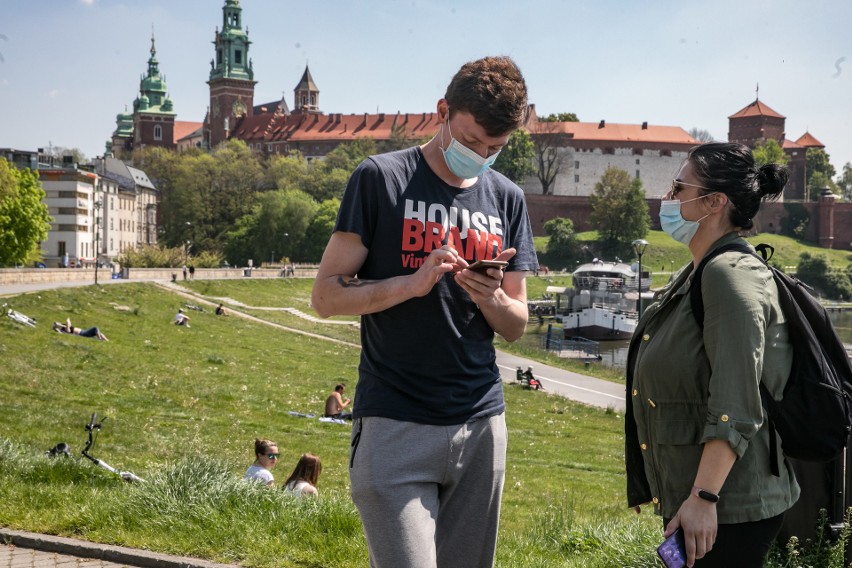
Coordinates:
[772,178]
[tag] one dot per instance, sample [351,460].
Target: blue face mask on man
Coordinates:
[673,223]
[464,162]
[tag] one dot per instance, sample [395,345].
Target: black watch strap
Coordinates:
[706,495]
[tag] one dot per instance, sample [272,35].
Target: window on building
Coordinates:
[110,223]
[110,245]
[62,248]
[158,132]
[238,56]
[666,153]
[269,147]
[637,161]
[313,100]
[576,164]
[637,174]
[219,57]
[576,178]
[609,150]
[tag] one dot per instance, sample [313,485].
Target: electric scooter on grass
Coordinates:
[94,428]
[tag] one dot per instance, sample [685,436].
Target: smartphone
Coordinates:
[673,551]
[483,265]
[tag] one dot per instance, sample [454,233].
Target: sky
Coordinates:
[67,67]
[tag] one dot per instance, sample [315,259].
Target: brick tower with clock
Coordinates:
[231,77]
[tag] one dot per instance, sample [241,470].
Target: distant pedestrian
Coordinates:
[184,271]
[65,260]
[191,272]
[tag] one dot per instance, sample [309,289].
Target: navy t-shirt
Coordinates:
[430,360]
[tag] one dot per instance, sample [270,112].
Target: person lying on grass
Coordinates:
[68,328]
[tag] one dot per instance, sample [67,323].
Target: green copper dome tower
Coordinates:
[231,76]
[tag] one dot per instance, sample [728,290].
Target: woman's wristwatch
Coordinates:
[704,494]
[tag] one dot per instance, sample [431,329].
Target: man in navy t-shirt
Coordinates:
[428,450]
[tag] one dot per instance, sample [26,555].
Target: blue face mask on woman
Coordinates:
[464,162]
[673,223]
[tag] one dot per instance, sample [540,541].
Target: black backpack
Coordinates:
[814,418]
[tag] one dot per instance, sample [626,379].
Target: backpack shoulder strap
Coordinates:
[695,298]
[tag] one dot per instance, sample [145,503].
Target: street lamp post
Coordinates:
[639,245]
[97,237]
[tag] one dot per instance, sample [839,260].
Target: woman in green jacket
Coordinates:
[697,445]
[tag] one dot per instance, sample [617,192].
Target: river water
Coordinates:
[614,353]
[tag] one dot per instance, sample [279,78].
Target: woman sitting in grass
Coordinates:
[303,480]
[266,453]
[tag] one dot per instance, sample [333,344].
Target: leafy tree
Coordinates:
[24,222]
[285,171]
[816,271]
[818,183]
[400,139]
[700,134]
[619,212]
[517,159]
[796,222]
[563,240]
[319,231]
[561,117]
[274,228]
[818,172]
[769,152]
[547,140]
[844,182]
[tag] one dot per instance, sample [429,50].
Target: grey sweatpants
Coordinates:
[429,496]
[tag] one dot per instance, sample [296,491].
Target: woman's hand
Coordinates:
[697,518]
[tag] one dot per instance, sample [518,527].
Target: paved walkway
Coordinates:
[30,550]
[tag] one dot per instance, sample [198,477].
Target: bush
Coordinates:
[153,256]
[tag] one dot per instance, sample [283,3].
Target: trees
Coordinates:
[517,159]
[816,271]
[274,228]
[24,221]
[563,240]
[547,140]
[769,152]
[700,134]
[561,117]
[619,212]
[844,182]
[818,173]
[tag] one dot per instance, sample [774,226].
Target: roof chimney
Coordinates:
[645,125]
[602,124]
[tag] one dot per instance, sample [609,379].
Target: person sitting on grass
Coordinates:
[68,328]
[220,310]
[335,404]
[266,457]
[181,318]
[303,481]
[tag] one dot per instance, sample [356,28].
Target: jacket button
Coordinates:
[646,337]
[724,418]
[635,392]
[644,446]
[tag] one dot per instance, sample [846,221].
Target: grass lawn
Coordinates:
[185,404]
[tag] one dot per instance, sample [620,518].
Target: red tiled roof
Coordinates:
[809,141]
[313,126]
[612,132]
[757,108]
[303,126]
[789,144]
[184,128]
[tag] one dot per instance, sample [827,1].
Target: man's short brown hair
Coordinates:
[493,90]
